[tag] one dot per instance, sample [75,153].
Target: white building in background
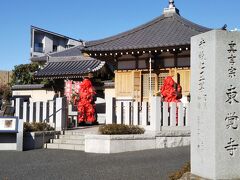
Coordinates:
[235,29]
[44,42]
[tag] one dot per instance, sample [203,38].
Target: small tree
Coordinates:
[5,92]
[23,74]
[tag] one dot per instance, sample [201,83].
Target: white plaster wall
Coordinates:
[110,92]
[8,146]
[36,95]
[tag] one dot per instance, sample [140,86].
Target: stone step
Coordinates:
[75,132]
[68,141]
[76,147]
[80,131]
[81,137]
[56,136]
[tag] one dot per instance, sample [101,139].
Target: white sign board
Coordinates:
[8,124]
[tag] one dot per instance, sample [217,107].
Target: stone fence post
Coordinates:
[110,106]
[155,113]
[61,114]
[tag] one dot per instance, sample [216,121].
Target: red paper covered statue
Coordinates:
[171,91]
[86,105]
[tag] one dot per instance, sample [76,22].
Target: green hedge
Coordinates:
[111,129]
[33,127]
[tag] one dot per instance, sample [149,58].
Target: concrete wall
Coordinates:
[36,95]
[8,141]
[108,144]
[36,140]
[61,44]
[12,140]
[73,43]
[48,44]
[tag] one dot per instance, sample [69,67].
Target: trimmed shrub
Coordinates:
[33,127]
[178,174]
[112,129]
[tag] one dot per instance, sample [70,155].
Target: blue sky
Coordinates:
[95,19]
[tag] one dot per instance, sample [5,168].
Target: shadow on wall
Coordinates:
[101,108]
[8,138]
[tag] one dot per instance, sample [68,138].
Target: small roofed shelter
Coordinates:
[69,67]
[158,49]
[70,64]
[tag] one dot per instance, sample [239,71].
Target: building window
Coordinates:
[38,47]
[69,46]
[156,83]
[55,47]
[146,85]
[163,74]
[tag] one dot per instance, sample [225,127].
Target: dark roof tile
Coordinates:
[28,86]
[163,31]
[60,68]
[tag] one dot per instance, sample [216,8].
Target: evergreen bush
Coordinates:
[112,129]
[33,127]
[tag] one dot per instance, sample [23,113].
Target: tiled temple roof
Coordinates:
[69,67]
[28,87]
[168,30]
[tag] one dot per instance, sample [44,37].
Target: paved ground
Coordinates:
[71,165]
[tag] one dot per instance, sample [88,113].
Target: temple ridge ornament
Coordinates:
[171,4]
[171,8]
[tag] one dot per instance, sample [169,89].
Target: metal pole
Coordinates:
[150,76]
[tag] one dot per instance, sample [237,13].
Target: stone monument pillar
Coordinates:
[215,105]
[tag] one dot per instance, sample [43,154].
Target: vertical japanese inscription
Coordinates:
[232,118]
[232,59]
[201,92]
[202,95]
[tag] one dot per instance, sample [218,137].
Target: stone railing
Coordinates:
[153,116]
[51,112]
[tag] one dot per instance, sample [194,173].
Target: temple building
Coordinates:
[72,64]
[158,49]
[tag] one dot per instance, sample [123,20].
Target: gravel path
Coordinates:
[70,165]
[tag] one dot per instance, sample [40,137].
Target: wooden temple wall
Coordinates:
[136,83]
